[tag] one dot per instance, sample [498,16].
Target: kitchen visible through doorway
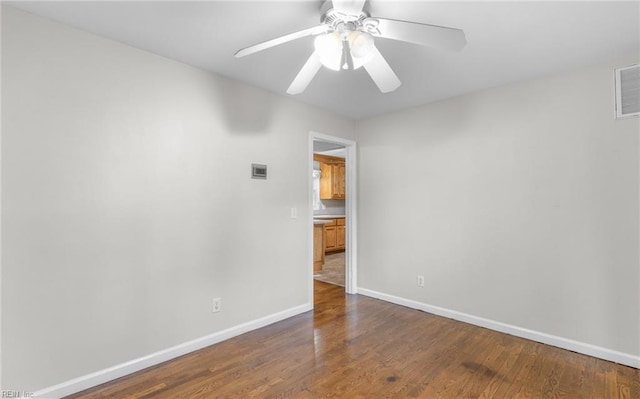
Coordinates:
[329,211]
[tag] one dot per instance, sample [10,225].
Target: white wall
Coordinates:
[127,206]
[127,203]
[518,205]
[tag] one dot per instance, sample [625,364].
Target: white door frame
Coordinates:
[351,252]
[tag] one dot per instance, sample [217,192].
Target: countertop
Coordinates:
[327,216]
[319,222]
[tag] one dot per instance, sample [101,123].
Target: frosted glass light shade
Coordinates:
[329,48]
[361,44]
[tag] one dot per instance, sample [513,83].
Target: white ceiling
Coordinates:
[506,42]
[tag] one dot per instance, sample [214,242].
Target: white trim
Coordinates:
[0,220]
[310,242]
[120,370]
[351,275]
[351,221]
[560,342]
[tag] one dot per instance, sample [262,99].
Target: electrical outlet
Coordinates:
[420,281]
[217,305]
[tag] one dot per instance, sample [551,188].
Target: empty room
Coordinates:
[320,199]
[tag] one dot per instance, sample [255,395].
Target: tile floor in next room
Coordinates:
[333,269]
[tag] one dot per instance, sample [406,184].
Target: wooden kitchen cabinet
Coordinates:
[331,237]
[338,180]
[332,176]
[318,247]
[340,234]
[335,235]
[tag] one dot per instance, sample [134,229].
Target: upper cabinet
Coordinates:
[332,176]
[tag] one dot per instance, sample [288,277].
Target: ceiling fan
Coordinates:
[345,40]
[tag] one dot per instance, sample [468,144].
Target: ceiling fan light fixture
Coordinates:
[329,48]
[345,40]
[361,45]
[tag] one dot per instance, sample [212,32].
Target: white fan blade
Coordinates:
[425,35]
[348,7]
[306,74]
[381,72]
[282,39]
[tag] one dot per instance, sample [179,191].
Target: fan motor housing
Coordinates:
[333,18]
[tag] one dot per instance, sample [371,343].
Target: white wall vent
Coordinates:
[628,91]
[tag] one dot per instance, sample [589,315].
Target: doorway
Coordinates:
[337,210]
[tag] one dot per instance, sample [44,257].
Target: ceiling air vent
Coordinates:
[628,91]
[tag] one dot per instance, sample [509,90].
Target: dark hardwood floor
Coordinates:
[357,347]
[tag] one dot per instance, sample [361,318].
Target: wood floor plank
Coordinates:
[587,378]
[352,346]
[483,373]
[611,387]
[516,377]
[503,364]
[630,377]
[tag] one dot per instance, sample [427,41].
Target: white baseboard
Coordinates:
[120,370]
[564,343]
